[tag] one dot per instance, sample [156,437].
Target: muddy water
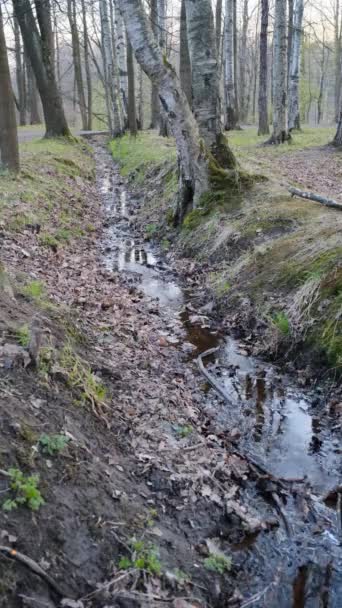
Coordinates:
[280,426]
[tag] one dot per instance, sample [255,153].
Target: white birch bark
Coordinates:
[296,40]
[204,68]
[111,96]
[280,117]
[192,158]
[121,53]
[229,76]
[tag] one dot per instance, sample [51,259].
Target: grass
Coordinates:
[218,563]
[23,335]
[53,444]
[42,192]
[143,152]
[144,557]
[80,378]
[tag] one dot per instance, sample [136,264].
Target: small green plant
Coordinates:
[184,431]
[151,229]
[25,490]
[182,577]
[23,335]
[218,563]
[53,444]
[33,289]
[281,321]
[144,557]
[48,240]
[80,377]
[166,244]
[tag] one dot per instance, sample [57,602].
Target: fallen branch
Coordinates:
[216,385]
[328,202]
[33,566]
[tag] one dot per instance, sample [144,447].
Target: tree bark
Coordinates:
[263,72]
[111,93]
[338,137]
[9,154]
[185,65]
[295,55]
[163,125]
[243,98]
[121,53]
[229,76]
[132,114]
[76,54]
[154,90]
[338,56]
[33,98]
[280,119]
[141,100]
[87,68]
[20,74]
[38,49]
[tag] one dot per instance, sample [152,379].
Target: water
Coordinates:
[279,425]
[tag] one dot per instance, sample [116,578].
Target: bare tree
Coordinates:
[263,72]
[185,65]
[38,48]
[121,53]
[280,119]
[9,155]
[229,68]
[76,54]
[111,89]
[132,113]
[295,54]
[32,96]
[87,68]
[20,74]
[154,89]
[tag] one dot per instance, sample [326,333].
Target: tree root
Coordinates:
[216,385]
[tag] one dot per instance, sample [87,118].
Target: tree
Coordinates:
[121,53]
[154,89]
[38,48]
[194,160]
[296,40]
[9,155]
[76,54]
[263,72]
[20,74]
[243,97]
[132,112]
[32,97]
[111,89]
[87,68]
[184,64]
[280,120]
[229,68]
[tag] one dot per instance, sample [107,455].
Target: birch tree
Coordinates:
[111,92]
[295,55]
[76,54]
[184,62]
[229,71]
[121,54]
[263,72]
[9,155]
[280,118]
[20,74]
[193,157]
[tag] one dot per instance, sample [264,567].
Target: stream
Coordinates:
[277,423]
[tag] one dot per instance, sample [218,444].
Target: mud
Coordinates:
[269,418]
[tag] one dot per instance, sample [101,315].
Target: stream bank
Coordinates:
[153,497]
[278,426]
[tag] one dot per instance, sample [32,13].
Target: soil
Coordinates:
[149,472]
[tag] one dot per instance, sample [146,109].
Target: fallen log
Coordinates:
[328,202]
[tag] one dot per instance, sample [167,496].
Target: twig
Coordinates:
[328,202]
[216,385]
[255,598]
[33,566]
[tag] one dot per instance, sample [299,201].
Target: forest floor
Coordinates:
[115,476]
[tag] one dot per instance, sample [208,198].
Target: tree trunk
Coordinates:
[193,163]
[115,91]
[205,84]
[111,94]
[38,50]
[87,68]
[122,58]
[132,114]
[289,38]
[20,74]
[243,105]
[163,126]
[141,100]
[218,25]
[185,65]
[33,98]
[9,155]
[229,77]
[294,113]
[338,137]
[263,72]
[154,91]
[280,122]
[76,54]
[338,57]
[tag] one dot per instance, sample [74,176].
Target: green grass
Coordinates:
[25,491]
[142,152]
[218,563]
[23,335]
[34,290]
[308,138]
[53,444]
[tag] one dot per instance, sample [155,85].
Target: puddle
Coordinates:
[279,425]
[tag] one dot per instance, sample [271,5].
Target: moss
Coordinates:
[48,240]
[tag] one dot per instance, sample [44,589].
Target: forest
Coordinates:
[170,303]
